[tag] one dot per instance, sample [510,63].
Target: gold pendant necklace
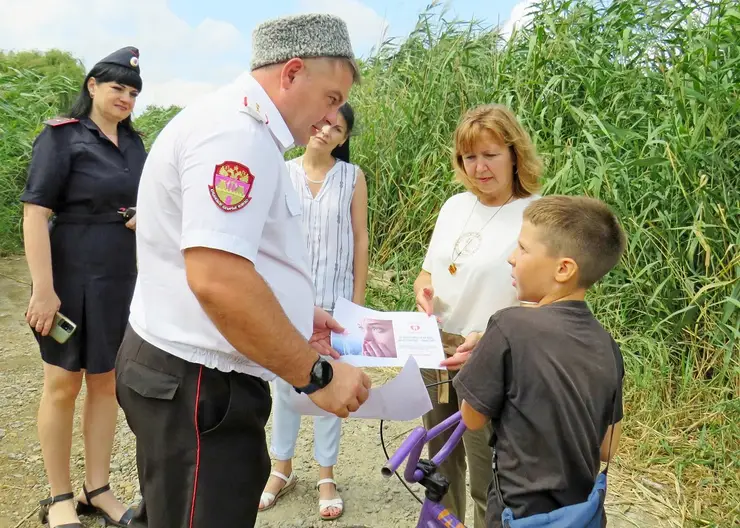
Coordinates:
[470,237]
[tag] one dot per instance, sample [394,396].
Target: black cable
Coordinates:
[385,451]
[382,443]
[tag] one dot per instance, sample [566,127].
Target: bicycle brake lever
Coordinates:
[435,484]
[426,466]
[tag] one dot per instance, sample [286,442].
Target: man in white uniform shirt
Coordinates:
[224,299]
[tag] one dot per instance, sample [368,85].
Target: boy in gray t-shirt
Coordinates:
[550,378]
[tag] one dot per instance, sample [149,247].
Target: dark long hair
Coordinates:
[103,73]
[341,152]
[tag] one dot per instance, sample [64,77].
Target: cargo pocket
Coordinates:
[147,382]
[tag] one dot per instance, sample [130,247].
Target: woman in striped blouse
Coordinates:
[333,193]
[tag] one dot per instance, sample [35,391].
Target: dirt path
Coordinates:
[370,500]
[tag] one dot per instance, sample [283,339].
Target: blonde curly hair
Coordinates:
[503,125]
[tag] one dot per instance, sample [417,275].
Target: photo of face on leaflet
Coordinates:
[379,339]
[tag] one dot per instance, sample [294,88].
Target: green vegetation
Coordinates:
[33,87]
[152,121]
[637,103]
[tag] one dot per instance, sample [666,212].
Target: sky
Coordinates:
[190,47]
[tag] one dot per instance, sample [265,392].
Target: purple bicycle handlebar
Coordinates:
[417,436]
[433,513]
[412,447]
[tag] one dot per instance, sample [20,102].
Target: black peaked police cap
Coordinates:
[127,57]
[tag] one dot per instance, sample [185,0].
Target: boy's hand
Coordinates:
[462,353]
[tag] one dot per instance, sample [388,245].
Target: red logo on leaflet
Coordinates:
[415,327]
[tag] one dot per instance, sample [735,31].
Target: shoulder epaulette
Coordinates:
[59,121]
[252,108]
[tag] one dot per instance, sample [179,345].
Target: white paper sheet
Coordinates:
[386,339]
[403,398]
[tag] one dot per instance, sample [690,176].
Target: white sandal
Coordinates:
[324,504]
[268,500]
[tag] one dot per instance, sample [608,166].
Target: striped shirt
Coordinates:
[327,221]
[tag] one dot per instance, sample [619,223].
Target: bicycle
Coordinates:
[424,472]
[435,515]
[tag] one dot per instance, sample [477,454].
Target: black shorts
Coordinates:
[200,438]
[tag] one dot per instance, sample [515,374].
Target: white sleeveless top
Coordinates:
[327,222]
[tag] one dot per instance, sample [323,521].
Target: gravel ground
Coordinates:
[370,500]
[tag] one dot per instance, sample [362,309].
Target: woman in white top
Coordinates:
[465,276]
[334,198]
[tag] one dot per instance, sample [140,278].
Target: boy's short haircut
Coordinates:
[581,228]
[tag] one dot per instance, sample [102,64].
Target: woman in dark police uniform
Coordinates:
[84,171]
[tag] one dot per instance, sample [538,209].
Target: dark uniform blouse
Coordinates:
[78,173]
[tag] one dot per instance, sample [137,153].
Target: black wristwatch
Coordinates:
[321,375]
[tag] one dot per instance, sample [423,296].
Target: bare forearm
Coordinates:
[472,419]
[246,312]
[38,249]
[360,266]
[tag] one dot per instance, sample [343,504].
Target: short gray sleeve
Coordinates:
[482,381]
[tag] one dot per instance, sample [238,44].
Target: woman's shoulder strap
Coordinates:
[60,121]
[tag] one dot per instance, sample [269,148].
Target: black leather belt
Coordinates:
[83,218]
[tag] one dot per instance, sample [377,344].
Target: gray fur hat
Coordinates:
[304,36]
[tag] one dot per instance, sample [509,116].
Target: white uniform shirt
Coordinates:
[482,283]
[216,178]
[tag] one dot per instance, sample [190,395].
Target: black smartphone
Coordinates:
[127,212]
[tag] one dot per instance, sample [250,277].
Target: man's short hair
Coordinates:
[582,228]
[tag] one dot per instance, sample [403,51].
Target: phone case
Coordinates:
[61,329]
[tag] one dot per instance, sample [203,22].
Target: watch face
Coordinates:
[323,372]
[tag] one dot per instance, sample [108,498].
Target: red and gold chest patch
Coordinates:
[232,184]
